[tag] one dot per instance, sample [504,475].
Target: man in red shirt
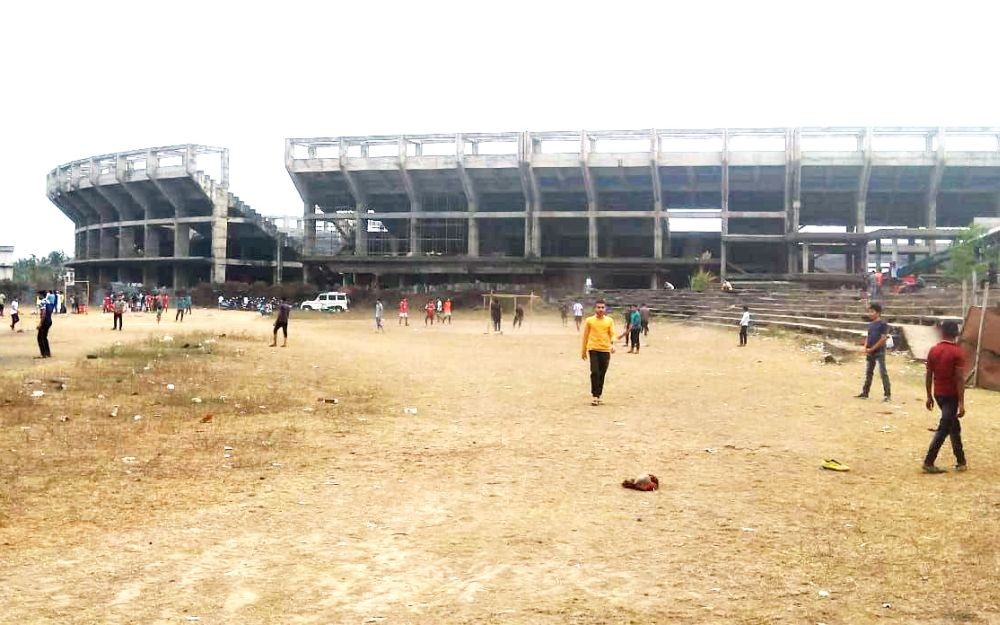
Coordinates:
[404,311]
[429,308]
[946,384]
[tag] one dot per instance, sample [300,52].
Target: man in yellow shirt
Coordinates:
[598,343]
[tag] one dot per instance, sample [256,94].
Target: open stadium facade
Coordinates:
[627,208]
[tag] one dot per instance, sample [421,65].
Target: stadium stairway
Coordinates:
[834,314]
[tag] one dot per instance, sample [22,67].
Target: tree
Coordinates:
[41,273]
[969,253]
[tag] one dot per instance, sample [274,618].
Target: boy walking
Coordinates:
[119,310]
[577,314]
[744,326]
[945,382]
[633,328]
[14,317]
[281,323]
[878,334]
[598,344]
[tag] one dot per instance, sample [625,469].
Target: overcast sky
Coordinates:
[83,79]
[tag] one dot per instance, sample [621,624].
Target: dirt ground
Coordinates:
[238,497]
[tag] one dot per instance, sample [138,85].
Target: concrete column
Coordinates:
[81,245]
[592,235]
[182,240]
[655,281]
[805,258]
[471,198]
[151,244]
[861,205]
[220,234]
[361,231]
[724,202]
[126,242]
[659,219]
[934,187]
[109,246]
[181,276]
[279,257]
[309,227]
[878,255]
[473,234]
[895,252]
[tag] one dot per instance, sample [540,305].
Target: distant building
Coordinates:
[6,262]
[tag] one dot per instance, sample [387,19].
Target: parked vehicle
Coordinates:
[331,301]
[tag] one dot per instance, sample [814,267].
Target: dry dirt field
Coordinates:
[499,501]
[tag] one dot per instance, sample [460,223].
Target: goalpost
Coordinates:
[488,302]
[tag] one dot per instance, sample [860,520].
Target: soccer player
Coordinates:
[447,311]
[878,334]
[429,312]
[404,311]
[379,308]
[644,313]
[577,314]
[598,344]
[439,310]
[281,323]
[564,313]
[158,306]
[744,326]
[945,382]
[181,309]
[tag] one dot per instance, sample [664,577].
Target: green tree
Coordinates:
[969,253]
[41,273]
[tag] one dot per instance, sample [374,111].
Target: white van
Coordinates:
[332,301]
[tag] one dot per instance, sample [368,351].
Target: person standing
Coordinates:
[598,345]
[627,321]
[945,383]
[878,335]
[577,314]
[744,326]
[179,315]
[644,314]
[281,323]
[404,311]
[187,304]
[158,306]
[379,308]
[429,313]
[14,317]
[46,308]
[447,311]
[119,310]
[518,316]
[496,314]
[3,302]
[564,313]
[439,310]
[633,328]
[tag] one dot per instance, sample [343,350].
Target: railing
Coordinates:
[523,144]
[124,164]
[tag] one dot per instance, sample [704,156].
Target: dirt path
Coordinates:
[499,501]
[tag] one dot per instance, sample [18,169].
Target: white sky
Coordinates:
[87,78]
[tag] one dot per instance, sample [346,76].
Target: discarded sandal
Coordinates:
[832,465]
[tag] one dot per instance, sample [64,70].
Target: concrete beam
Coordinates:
[757,215]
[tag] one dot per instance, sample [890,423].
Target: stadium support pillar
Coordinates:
[182,240]
[126,242]
[878,255]
[656,281]
[793,194]
[895,252]
[933,188]
[279,257]
[588,183]
[411,193]
[805,258]
[471,199]
[724,203]
[308,227]
[861,203]
[220,233]
[659,221]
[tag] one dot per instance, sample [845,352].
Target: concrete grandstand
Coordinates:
[633,207]
[156,217]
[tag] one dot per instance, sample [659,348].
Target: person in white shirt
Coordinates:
[577,314]
[14,317]
[744,326]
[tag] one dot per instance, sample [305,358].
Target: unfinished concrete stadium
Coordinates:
[157,216]
[630,208]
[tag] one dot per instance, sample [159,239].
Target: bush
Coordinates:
[701,280]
